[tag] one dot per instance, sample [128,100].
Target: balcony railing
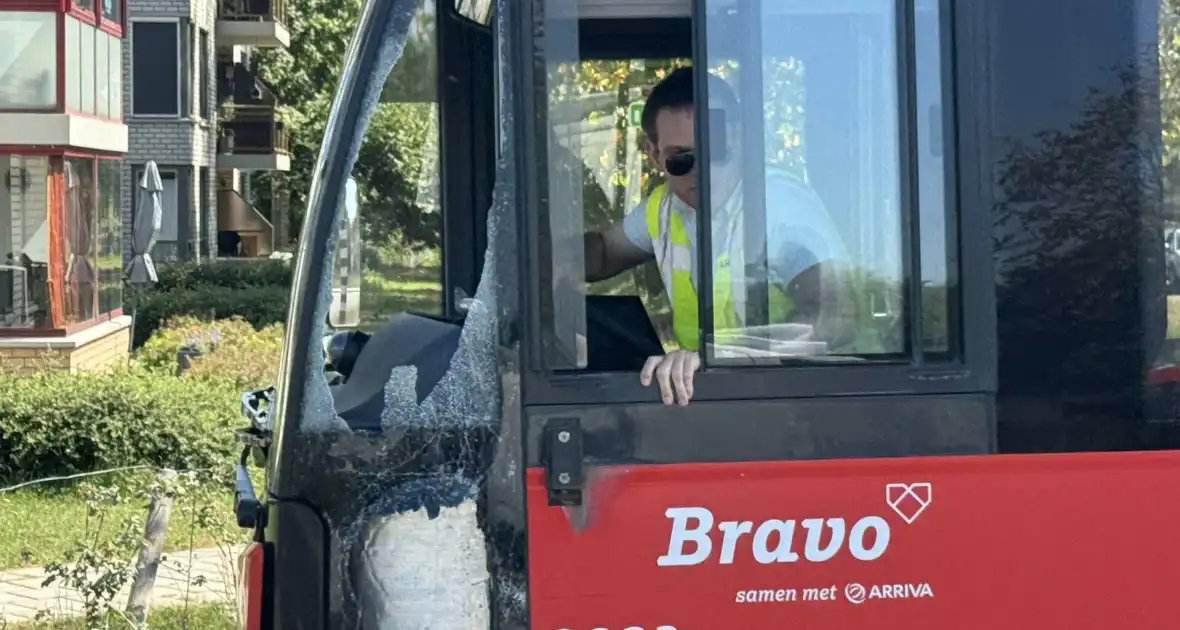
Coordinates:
[252,130]
[254,10]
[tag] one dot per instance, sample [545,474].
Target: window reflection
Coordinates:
[936,225]
[400,202]
[24,243]
[28,60]
[804,190]
[110,238]
[80,232]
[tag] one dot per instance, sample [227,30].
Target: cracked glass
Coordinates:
[397,456]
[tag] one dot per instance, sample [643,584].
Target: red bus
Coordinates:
[985,440]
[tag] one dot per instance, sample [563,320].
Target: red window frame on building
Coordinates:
[83,278]
[64,10]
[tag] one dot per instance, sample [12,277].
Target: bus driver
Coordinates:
[804,247]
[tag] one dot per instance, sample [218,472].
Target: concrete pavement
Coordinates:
[200,575]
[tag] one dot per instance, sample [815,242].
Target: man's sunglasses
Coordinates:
[681,164]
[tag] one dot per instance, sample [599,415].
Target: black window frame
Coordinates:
[970,369]
[204,61]
[178,26]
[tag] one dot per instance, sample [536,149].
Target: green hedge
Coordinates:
[257,291]
[234,275]
[53,422]
[259,305]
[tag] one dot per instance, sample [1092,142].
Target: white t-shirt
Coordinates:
[800,233]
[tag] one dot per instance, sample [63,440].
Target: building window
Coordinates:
[203,72]
[85,5]
[155,68]
[110,10]
[115,75]
[28,60]
[24,242]
[94,71]
[110,237]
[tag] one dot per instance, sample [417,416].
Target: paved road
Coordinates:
[202,575]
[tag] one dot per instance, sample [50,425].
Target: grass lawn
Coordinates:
[388,291]
[194,617]
[38,525]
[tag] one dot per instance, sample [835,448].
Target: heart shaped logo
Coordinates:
[909,500]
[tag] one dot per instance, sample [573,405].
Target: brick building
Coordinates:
[62,139]
[195,107]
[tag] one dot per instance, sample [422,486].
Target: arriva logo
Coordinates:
[773,539]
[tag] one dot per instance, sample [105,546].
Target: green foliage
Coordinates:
[259,305]
[231,349]
[191,617]
[233,275]
[257,291]
[53,422]
[395,171]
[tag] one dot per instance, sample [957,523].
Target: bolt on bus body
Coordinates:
[459,438]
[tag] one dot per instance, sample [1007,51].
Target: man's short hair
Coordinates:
[675,91]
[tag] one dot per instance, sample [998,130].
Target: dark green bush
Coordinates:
[238,274]
[53,422]
[260,305]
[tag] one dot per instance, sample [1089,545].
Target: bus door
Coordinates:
[845,467]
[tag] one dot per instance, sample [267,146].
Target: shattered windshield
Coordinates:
[395,456]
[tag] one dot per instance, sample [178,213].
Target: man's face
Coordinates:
[675,131]
[674,137]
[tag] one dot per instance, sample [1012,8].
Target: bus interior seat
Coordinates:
[427,343]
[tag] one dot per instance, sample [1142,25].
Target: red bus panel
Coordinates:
[972,543]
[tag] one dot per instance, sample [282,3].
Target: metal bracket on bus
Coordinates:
[562,455]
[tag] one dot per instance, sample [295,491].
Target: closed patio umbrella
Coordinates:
[145,228]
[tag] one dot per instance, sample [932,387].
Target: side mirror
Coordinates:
[346,264]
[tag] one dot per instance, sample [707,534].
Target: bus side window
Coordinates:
[808,244]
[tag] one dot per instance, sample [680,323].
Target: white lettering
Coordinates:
[681,534]
[900,591]
[786,536]
[773,541]
[819,594]
[856,538]
[766,595]
[733,531]
[815,530]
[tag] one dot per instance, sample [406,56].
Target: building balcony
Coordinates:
[65,130]
[252,138]
[260,23]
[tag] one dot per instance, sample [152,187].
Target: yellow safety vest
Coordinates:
[674,258]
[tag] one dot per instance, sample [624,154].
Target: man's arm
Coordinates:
[618,248]
[822,297]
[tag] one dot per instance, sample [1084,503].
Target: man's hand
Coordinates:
[674,371]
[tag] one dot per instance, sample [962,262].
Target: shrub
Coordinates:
[260,305]
[233,275]
[53,422]
[229,348]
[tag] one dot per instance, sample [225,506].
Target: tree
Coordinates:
[400,138]
[1075,230]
